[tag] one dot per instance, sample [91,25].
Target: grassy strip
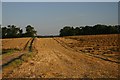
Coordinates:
[7,69]
[5,51]
[9,51]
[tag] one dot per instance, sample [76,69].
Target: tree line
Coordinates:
[11,31]
[90,30]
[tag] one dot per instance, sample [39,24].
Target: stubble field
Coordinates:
[89,56]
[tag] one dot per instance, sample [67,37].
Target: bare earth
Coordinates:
[56,60]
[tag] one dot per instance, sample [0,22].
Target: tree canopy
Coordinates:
[90,30]
[30,31]
[11,31]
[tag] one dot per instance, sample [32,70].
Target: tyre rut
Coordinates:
[54,60]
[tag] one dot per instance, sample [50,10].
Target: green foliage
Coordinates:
[11,31]
[16,63]
[0,31]
[67,31]
[90,30]
[4,51]
[30,32]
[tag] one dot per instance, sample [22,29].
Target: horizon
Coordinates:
[48,18]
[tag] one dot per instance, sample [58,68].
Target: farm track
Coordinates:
[56,60]
[26,45]
[15,55]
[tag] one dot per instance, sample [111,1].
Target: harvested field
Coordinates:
[14,43]
[72,57]
[102,46]
[12,50]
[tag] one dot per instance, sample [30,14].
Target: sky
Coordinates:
[49,17]
[0,12]
[59,0]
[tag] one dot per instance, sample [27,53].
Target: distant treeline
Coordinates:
[11,31]
[90,30]
[47,36]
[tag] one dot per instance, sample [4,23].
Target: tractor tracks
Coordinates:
[55,60]
[62,43]
[17,55]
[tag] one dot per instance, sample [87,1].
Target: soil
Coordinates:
[55,59]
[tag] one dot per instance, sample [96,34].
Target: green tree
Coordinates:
[67,31]
[90,30]
[30,32]
[0,31]
[4,32]
[12,31]
[77,31]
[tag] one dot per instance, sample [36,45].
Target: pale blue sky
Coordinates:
[60,0]
[49,18]
[0,13]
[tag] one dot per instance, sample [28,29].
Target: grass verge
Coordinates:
[5,51]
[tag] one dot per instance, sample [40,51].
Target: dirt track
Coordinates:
[55,60]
